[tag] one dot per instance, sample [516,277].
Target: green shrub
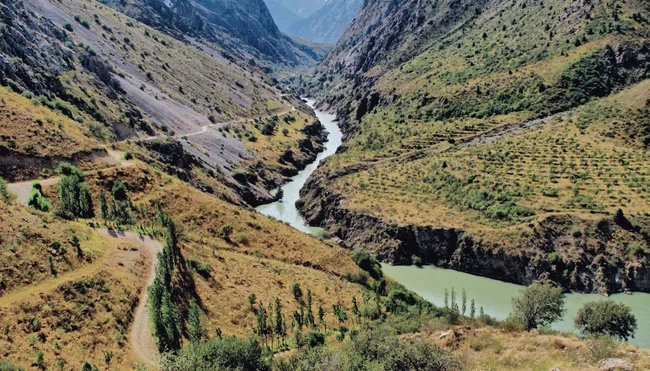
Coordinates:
[119,190]
[358,277]
[37,200]
[5,196]
[228,354]
[315,339]
[366,261]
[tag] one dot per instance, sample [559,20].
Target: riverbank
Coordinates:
[496,296]
[285,209]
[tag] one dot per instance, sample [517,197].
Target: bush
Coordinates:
[8,366]
[367,262]
[606,318]
[512,324]
[37,200]
[5,196]
[67,26]
[358,277]
[226,231]
[128,155]
[225,354]
[119,190]
[315,339]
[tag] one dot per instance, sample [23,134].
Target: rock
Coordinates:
[556,369]
[445,334]
[616,364]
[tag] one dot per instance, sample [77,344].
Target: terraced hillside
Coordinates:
[498,138]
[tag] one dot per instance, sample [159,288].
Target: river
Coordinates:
[429,282]
[285,209]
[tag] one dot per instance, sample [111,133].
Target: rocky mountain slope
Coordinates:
[508,139]
[113,79]
[328,24]
[244,29]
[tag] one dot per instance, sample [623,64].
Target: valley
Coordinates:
[324,185]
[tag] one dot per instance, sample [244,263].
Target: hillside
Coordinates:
[500,141]
[108,79]
[328,24]
[505,139]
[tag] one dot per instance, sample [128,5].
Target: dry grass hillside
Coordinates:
[524,120]
[75,308]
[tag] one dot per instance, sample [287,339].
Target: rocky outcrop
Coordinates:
[15,166]
[581,255]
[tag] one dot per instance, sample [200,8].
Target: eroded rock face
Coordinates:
[595,261]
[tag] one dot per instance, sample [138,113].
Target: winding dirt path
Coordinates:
[140,339]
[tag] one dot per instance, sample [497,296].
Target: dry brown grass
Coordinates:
[31,129]
[494,349]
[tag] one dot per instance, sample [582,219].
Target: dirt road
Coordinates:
[141,339]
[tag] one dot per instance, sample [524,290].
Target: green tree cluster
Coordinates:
[164,314]
[75,198]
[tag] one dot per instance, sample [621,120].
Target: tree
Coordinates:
[262,321]
[464,302]
[103,207]
[297,292]
[251,300]
[606,318]
[454,304]
[310,315]
[367,262]
[75,198]
[279,326]
[446,298]
[196,331]
[539,305]
[321,317]
[355,309]
[119,190]
[472,309]
[74,241]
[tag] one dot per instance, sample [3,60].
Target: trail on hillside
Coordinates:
[140,338]
[215,126]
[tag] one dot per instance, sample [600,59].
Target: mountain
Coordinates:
[504,139]
[303,8]
[244,29]
[283,17]
[328,24]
